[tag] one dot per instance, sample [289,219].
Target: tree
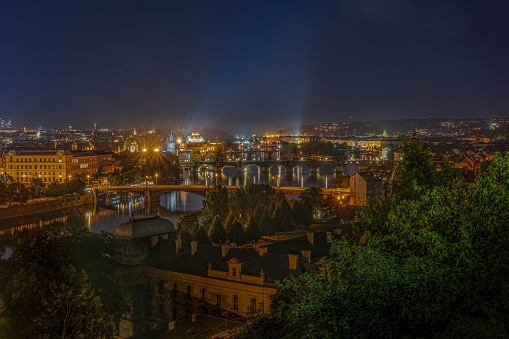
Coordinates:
[433,263]
[215,204]
[187,225]
[37,188]
[55,189]
[253,231]
[217,233]
[201,235]
[266,224]
[314,197]
[77,263]
[42,303]
[302,213]
[235,232]
[18,193]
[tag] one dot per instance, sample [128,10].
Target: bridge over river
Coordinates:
[150,191]
[280,165]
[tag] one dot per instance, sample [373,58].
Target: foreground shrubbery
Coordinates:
[13,192]
[432,261]
[61,282]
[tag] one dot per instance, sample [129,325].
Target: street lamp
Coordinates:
[216,179]
[156,178]
[88,179]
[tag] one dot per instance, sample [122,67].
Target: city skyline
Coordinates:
[250,65]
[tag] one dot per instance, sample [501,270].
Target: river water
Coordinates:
[170,206]
[278,176]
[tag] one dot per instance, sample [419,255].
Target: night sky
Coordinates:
[250,65]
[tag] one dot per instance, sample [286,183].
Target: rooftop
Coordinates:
[145,227]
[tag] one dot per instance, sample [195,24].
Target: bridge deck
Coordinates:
[203,189]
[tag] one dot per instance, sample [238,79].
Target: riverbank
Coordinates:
[46,206]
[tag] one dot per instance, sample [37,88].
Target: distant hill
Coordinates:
[402,126]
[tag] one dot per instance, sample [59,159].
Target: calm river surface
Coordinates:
[170,206]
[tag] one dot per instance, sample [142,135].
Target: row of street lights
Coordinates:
[208,177]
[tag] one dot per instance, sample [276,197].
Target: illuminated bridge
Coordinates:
[201,190]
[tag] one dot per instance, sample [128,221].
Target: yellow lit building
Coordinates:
[83,163]
[165,279]
[48,165]
[52,165]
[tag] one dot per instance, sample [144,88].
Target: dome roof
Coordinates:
[139,228]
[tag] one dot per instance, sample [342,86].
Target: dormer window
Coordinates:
[234,267]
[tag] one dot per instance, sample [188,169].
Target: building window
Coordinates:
[161,286]
[218,299]
[202,294]
[160,310]
[234,272]
[175,292]
[174,313]
[188,292]
[235,302]
[252,304]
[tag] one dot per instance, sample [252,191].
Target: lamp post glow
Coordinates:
[88,179]
[156,178]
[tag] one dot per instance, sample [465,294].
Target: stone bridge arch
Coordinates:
[251,167]
[326,167]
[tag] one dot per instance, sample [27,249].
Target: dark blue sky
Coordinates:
[250,65]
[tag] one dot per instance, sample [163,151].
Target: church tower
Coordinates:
[170,144]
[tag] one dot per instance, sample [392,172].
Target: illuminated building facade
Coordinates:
[48,165]
[51,165]
[165,279]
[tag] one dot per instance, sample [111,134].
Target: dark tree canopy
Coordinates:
[430,262]
[217,233]
[67,276]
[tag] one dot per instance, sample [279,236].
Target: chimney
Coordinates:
[262,250]
[224,250]
[306,255]
[310,236]
[292,261]
[153,240]
[194,247]
[178,245]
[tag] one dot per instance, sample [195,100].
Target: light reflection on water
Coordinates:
[277,176]
[170,206]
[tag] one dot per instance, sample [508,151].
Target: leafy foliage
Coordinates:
[217,233]
[61,281]
[432,261]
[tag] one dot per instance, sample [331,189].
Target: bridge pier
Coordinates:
[147,195]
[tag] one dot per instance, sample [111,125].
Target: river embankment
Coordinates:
[43,206]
